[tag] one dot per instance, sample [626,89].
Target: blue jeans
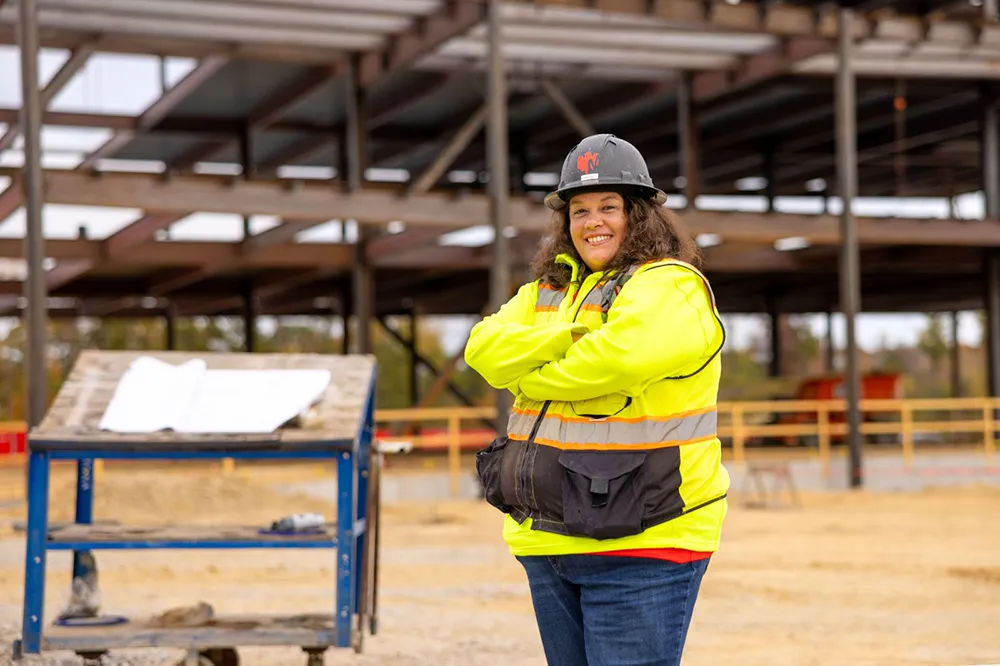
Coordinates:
[606,610]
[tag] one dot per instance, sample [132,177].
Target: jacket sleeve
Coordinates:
[505,346]
[663,324]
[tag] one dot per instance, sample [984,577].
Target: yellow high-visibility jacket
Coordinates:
[612,442]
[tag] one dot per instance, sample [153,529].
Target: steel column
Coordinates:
[414,369]
[249,320]
[991,190]
[990,154]
[171,326]
[831,355]
[497,152]
[774,318]
[768,169]
[687,123]
[956,361]
[990,11]
[34,250]
[355,154]
[992,332]
[850,274]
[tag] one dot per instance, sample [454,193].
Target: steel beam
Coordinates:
[406,48]
[547,137]
[381,205]
[420,359]
[294,53]
[35,292]
[566,107]
[458,143]
[850,268]
[759,67]
[179,254]
[159,109]
[217,31]
[59,80]
[10,200]
[379,114]
[408,240]
[64,273]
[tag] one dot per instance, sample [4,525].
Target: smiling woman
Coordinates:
[610,471]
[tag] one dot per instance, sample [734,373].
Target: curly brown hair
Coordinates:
[651,233]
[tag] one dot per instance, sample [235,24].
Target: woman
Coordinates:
[610,473]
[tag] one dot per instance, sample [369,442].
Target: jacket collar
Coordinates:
[567,260]
[575,267]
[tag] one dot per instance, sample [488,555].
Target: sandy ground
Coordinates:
[854,579]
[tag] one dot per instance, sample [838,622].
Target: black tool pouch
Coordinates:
[489,462]
[602,494]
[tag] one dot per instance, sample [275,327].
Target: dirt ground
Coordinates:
[857,579]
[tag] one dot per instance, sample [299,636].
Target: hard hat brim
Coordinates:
[559,199]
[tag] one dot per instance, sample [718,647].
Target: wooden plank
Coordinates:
[73,419]
[225,630]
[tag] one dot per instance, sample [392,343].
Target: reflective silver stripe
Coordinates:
[593,299]
[649,432]
[549,298]
[519,425]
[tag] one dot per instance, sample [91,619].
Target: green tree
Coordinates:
[934,344]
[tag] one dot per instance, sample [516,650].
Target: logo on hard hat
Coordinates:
[587,161]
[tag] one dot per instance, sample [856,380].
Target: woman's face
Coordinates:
[597,226]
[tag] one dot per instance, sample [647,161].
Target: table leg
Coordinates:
[362,514]
[84,506]
[346,546]
[34,569]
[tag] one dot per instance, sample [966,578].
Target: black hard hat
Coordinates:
[603,161]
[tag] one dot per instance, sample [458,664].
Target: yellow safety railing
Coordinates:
[902,419]
[742,423]
[453,438]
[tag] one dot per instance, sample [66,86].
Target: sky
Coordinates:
[126,84]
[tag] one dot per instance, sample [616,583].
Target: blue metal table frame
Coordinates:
[354,459]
